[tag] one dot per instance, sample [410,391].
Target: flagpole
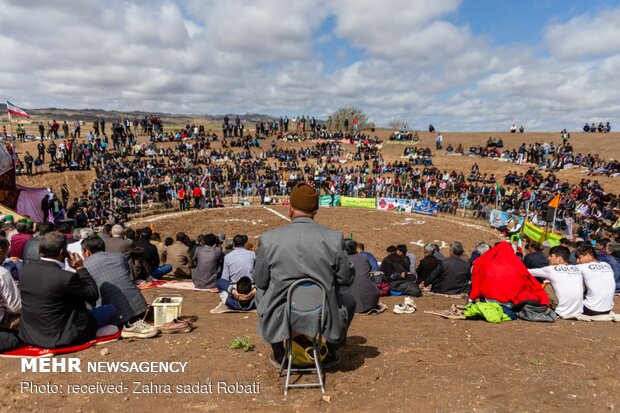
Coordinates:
[12,136]
[555,211]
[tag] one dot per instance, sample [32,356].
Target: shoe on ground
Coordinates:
[274,362]
[189,318]
[176,326]
[139,329]
[404,308]
[410,303]
[331,361]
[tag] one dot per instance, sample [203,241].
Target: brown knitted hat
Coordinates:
[304,198]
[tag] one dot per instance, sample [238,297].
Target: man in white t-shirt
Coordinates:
[565,279]
[598,278]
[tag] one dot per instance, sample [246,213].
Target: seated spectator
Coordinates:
[411,256]
[76,247]
[238,263]
[396,264]
[427,264]
[54,312]
[10,299]
[586,128]
[566,282]
[598,278]
[207,263]
[19,240]
[374,264]
[177,255]
[613,259]
[452,275]
[161,249]
[481,248]
[285,256]
[535,257]
[112,276]
[116,243]
[31,249]
[150,253]
[363,289]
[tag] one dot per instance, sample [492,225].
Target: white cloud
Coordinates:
[586,35]
[210,56]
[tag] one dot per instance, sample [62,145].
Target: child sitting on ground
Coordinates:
[244,291]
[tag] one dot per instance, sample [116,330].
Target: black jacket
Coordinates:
[54,312]
[451,276]
[536,260]
[426,267]
[395,264]
[31,250]
[150,252]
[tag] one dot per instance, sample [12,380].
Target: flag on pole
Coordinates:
[555,202]
[498,191]
[14,110]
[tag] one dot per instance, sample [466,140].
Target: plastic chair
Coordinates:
[305,310]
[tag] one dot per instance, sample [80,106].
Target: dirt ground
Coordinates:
[416,362]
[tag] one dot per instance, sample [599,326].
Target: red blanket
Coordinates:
[35,352]
[500,275]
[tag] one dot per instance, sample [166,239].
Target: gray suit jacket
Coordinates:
[302,249]
[207,261]
[111,273]
[117,245]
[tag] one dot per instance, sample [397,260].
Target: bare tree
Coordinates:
[341,115]
[397,124]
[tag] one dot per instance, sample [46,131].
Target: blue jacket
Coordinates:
[615,265]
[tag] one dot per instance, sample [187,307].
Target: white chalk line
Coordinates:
[276,213]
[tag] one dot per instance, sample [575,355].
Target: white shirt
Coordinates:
[567,283]
[600,286]
[10,300]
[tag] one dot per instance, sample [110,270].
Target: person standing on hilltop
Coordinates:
[77,128]
[65,130]
[41,150]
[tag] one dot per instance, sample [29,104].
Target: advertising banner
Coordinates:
[348,201]
[538,234]
[326,201]
[499,218]
[419,206]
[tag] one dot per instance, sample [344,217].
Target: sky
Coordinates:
[462,65]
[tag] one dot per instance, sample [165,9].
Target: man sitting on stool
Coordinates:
[303,249]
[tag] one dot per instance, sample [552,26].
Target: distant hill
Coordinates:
[92,114]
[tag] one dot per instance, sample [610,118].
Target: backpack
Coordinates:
[533,311]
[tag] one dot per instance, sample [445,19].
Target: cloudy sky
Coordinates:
[460,64]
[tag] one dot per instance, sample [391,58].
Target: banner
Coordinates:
[419,206]
[347,201]
[538,234]
[326,201]
[499,218]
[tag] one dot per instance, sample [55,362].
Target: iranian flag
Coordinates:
[14,110]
